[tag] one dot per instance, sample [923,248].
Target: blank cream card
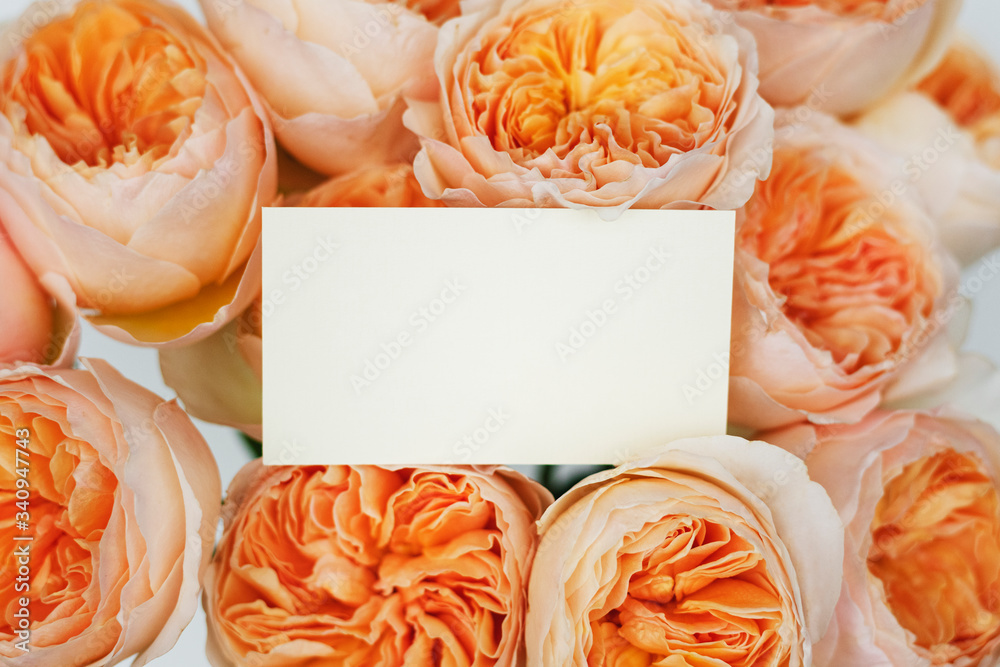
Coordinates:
[515,336]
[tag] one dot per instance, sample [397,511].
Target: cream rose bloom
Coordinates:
[134,160]
[596,103]
[38,323]
[123,502]
[841,56]
[717,551]
[947,132]
[840,285]
[918,495]
[370,566]
[334,72]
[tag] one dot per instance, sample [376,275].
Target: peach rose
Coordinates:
[38,324]
[918,495]
[840,286]
[373,566]
[840,56]
[603,103]
[947,132]
[334,73]
[717,551]
[134,160]
[120,495]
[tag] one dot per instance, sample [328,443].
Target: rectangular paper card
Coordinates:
[514,336]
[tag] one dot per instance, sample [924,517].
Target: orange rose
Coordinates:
[840,56]
[38,325]
[334,73]
[717,551]
[947,132]
[372,566]
[839,285]
[640,103]
[120,495]
[134,160]
[918,494]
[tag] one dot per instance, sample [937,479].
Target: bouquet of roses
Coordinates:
[856,523]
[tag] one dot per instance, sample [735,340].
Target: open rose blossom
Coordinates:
[122,503]
[717,551]
[134,160]
[38,324]
[947,130]
[603,103]
[840,285]
[369,566]
[842,55]
[918,495]
[334,73]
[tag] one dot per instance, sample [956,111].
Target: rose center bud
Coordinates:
[132,96]
[848,282]
[595,82]
[692,589]
[70,503]
[936,550]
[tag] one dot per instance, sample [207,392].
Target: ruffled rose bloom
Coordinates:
[717,551]
[122,502]
[841,56]
[840,286]
[334,73]
[601,103]
[38,324]
[134,160]
[947,131]
[373,566]
[219,378]
[918,495]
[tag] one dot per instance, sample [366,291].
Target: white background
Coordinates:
[980,18]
